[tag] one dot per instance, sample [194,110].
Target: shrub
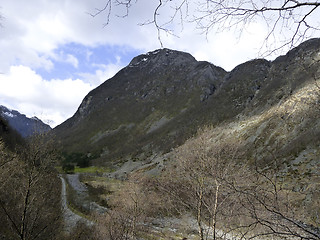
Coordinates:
[68,168]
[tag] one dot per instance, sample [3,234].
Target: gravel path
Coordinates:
[70,218]
[73,180]
[83,194]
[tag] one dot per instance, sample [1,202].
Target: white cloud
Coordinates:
[88,55]
[31,37]
[103,73]
[63,57]
[35,31]
[44,25]
[224,49]
[26,91]
[72,60]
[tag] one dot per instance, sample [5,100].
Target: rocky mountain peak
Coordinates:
[308,50]
[162,57]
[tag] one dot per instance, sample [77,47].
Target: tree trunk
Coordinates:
[24,215]
[215,207]
[199,207]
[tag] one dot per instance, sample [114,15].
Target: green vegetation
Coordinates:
[80,163]
[77,159]
[102,189]
[70,169]
[92,169]
[67,168]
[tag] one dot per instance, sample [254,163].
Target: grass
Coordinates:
[78,212]
[59,169]
[101,189]
[92,169]
[109,184]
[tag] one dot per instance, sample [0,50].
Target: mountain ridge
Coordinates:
[22,124]
[162,97]
[138,86]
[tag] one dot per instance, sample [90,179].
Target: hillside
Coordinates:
[22,124]
[8,136]
[231,155]
[150,105]
[161,98]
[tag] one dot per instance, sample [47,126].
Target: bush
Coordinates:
[79,159]
[68,168]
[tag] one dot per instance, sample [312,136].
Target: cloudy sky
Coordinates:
[53,52]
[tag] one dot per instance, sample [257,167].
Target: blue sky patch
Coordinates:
[72,59]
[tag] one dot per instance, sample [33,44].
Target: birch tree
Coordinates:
[198,180]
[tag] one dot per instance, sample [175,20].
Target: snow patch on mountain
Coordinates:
[9,114]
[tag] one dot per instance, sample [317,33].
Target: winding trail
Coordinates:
[83,195]
[70,218]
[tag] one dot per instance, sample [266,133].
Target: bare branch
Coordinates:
[289,23]
[107,8]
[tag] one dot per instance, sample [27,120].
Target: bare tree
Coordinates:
[288,22]
[29,193]
[268,209]
[198,180]
[291,19]
[230,199]
[131,207]
[5,155]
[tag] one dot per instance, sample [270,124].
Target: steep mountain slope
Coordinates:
[22,124]
[161,98]
[147,105]
[279,127]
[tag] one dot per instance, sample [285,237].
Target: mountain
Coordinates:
[9,136]
[161,98]
[22,124]
[147,106]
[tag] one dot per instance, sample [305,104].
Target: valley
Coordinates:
[175,148]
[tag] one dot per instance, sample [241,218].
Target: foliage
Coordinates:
[79,159]
[92,169]
[68,167]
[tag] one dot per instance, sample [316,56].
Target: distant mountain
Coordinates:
[22,124]
[9,136]
[161,98]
